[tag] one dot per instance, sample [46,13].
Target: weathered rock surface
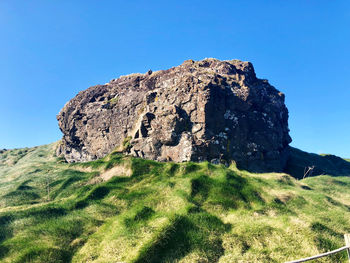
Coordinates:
[206,110]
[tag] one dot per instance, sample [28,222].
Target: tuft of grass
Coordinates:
[126,143]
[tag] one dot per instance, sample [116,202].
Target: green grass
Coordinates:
[51,211]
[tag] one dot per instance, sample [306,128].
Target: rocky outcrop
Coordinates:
[206,110]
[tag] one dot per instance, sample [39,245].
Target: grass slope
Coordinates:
[323,164]
[51,211]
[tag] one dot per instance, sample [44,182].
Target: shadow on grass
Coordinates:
[323,164]
[97,193]
[45,254]
[141,216]
[5,232]
[229,192]
[21,197]
[325,242]
[194,232]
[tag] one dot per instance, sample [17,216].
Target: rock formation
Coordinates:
[206,110]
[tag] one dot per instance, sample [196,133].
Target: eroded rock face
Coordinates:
[207,110]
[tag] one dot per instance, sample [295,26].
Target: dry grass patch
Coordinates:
[120,170]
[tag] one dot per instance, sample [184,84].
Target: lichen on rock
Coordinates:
[204,110]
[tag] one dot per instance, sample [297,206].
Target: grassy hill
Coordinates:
[123,209]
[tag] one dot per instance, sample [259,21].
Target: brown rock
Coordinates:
[206,110]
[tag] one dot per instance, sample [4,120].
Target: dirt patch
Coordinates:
[120,170]
[285,197]
[123,170]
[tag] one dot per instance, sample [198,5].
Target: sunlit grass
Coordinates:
[51,211]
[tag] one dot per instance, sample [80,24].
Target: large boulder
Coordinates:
[205,110]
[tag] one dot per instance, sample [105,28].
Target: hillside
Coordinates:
[124,209]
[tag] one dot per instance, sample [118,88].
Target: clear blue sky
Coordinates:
[50,50]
